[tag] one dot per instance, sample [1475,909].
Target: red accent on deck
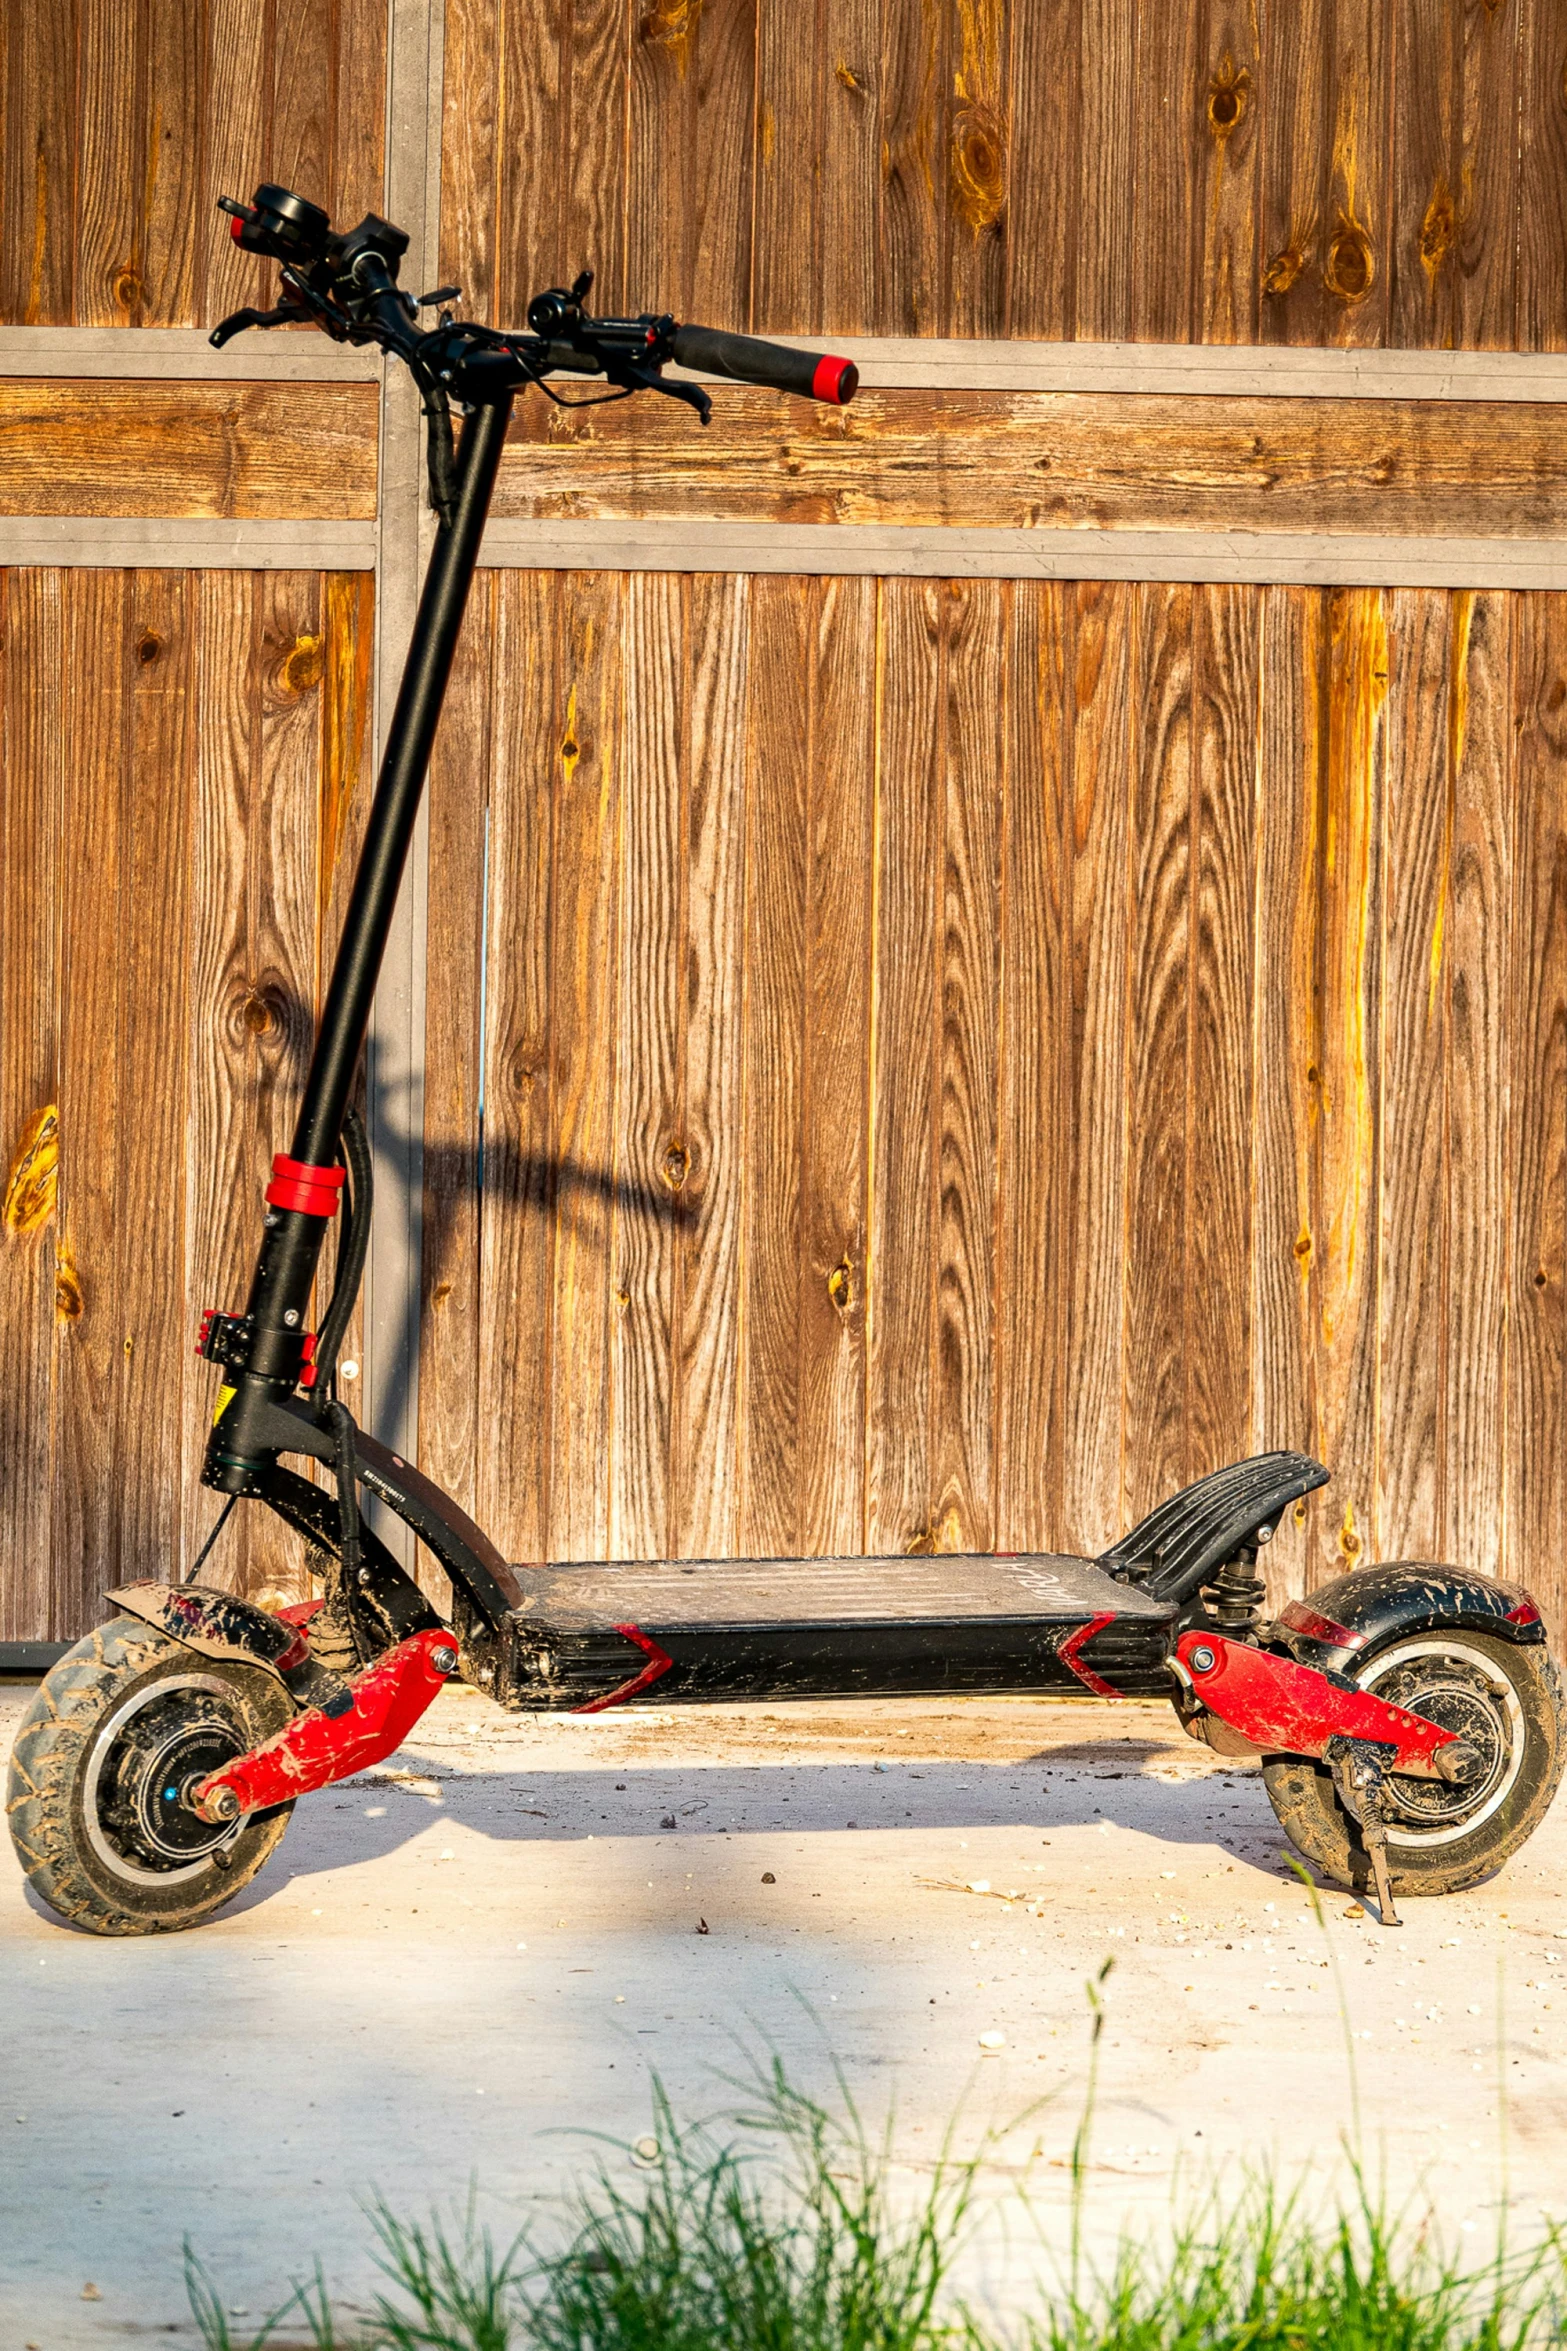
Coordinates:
[1068,1654]
[659,1662]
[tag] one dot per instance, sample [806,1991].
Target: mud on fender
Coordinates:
[220,1624]
[1402,1596]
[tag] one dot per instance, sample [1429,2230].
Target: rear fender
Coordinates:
[221,1625]
[1402,1597]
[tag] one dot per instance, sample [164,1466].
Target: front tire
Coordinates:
[120,1728]
[1505,1699]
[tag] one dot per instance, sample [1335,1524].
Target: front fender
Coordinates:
[1377,1604]
[220,1624]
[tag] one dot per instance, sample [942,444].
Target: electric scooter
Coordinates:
[1409,1719]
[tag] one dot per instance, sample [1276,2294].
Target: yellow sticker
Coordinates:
[226,1397]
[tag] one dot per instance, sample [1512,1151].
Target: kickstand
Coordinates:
[1359,1768]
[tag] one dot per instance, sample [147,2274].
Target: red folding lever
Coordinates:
[1288,1709]
[315,1749]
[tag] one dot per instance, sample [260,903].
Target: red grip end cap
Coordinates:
[236,228]
[836,380]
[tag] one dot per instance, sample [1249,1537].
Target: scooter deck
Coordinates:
[666,1631]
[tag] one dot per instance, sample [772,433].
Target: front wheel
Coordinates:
[122,1727]
[1506,1701]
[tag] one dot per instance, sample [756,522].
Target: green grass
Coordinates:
[778,2230]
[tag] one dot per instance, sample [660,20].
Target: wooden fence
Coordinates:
[907,1061]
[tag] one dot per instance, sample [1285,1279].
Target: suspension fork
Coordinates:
[267,1358]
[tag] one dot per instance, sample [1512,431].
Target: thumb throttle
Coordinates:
[746,359]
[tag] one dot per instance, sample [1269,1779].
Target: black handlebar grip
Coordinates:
[745,359]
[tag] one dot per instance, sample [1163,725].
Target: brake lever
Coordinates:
[238,320]
[646,379]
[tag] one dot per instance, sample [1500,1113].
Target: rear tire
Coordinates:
[124,1722]
[1506,1700]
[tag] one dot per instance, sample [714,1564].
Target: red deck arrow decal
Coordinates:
[659,1662]
[1068,1654]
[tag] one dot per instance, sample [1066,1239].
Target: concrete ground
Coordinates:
[462,1965]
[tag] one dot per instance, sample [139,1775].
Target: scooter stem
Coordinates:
[286,1266]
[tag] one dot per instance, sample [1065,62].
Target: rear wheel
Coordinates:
[122,1728]
[1505,1702]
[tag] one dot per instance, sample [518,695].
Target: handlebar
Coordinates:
[746,359]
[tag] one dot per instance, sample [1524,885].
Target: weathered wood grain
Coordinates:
[359,38]
[1158,1070]
[977,136]
[472,127]
[454,1309]
[1357,227]
[1294,133]
[1227,171]
[1165,175]
[299,143]
[1056,460]
[712,1055]
[237,79]
[1540,314]
[902,1247]
[1478,959]
[530,96]
[584,946]
[651,1159]
[1226,687]
[912,114]
[198,449]
[1417,913]
[1347,1061]
[969,984]
[1535,1534]
[520,1177]
[689,149]
[1104,717]
[110,133]
[775,926]
[1289,883]
[848,175]
[1428,173]
[32,683]
[175,218]
[1034,1137]
[1108,94]
[1043,210]
[840,878]
[1489,225]
[38,46]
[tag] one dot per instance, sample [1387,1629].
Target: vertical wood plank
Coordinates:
[228,1019]
[1483,780]
[1099,1105]
[519,1177]
[359,111]
[1107,130]
[963,1401]
[1541,301]
[689,148]
[780,750]
[1357,248]
[1044,223]
[473,120]
[1293,134]
[840,786]
[174,218]
[647,1103]
[110,69]
[33,686]
[154,951]
[304,98]
[38,164]
[1429,193]
[597,122]
[455,1307]
[1218,1254]
[1417,905]
[1035,1139]
[1488,224]
[234,150]
[1346,1177]
[848,172]
[1289,873]
[703,1480]
[1228,195]
[533,79]
[94,717]
[1535,1539]
[978,143]
[1158,1070]
[1165,181]
[792,224]
[584,950]
[911,711]
[912,119]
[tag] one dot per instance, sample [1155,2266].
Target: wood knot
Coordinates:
[32,1183]
[302,665]
[1438,228]
[68,1299]
[669,24]
[440,1294]
[1229,95]
[1303,1247]
[148,646]
[979,167]
[256,1013]
[840,1284]
[1283,270]
[1541,1278]
[127,286]
[675,1166]
[849,78]
[1351,264]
